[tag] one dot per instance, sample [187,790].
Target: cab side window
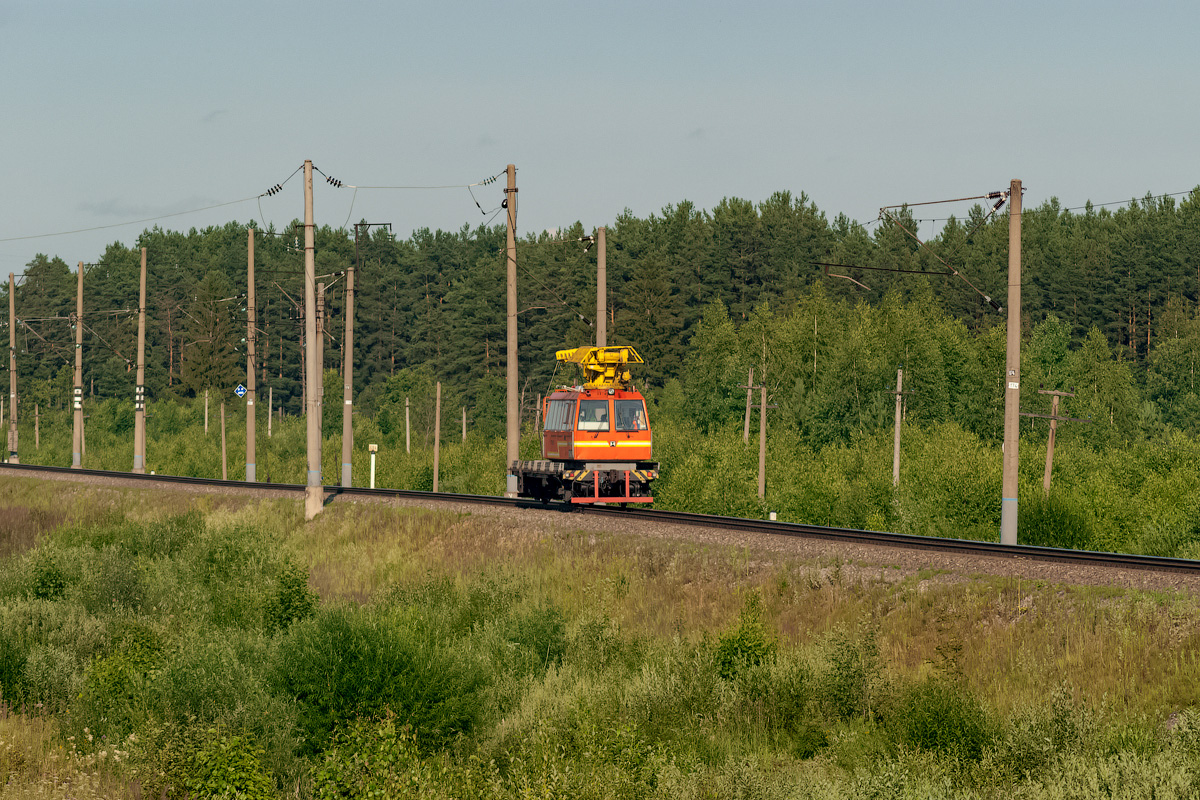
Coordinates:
[558,415]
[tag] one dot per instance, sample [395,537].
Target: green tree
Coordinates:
[210,356]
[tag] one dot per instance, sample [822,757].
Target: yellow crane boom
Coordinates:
[603,367]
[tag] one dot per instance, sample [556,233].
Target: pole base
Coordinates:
[314,501]
[1008,520]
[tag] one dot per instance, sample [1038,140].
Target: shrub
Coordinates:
[232,563]
[198,761]
[595,644]
[50,678]
[110,581]
[748,645]
[228,766]
[541,633]
[48,580]
[292,600]
[347,662]
[116,681]
[374,758]
[775,694]
[12,671]
[939,715]
[1053,522]
[851,681]
[808,740]
[1037,736]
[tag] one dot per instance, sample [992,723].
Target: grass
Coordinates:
[587,664]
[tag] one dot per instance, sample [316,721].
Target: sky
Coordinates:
[124,111]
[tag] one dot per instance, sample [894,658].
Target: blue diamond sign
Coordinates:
[240,391]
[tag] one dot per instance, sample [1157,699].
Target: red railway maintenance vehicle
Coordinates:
[596,438]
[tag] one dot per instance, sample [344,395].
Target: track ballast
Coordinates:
[710,521]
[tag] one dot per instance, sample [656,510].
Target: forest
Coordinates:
[1109,310]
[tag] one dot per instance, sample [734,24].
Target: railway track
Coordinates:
[659,516]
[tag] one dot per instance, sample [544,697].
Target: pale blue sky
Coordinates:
[121,110]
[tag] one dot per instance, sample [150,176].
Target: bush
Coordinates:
[939,715]
[196,761]
[542,633]
[228,766]
[851,681]
[292,600]
[374,758]
[110,582]
[1053,522]
[116,681]
[349,662]
[595,644]
[748,645]
[48,580]
[50,678]
[1036,737]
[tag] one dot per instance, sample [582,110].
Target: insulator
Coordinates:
[994,195]
[999,203]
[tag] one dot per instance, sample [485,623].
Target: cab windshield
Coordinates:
[593,415]
[631,415]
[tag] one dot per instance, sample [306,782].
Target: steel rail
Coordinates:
[774,528]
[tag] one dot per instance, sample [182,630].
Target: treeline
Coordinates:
[1109,301]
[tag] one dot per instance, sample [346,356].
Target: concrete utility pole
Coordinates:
[12,369]
[896,444]
[270,408]
[513,427]
[407,429]
[251,386]
[1012,371]
[749,401]
[77,400]
[762,442]
[139,391]
[320,384]
[437,436]
[348,361]
[348,373]
[601,290]
[314,493]
[464,416]
[224,459]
